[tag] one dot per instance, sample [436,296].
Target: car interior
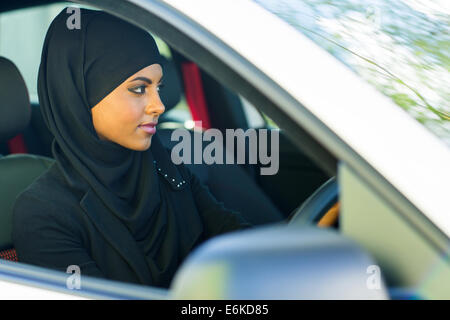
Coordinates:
[25,145]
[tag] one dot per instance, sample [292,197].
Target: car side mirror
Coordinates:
[279,262]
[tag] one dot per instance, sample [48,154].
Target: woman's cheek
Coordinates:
[131,115]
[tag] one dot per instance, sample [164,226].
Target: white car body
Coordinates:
[347,116]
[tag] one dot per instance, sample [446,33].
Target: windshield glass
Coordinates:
[401,47]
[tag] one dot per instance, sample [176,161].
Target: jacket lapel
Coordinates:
[116,233]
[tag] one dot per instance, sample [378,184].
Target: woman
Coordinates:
[113,203]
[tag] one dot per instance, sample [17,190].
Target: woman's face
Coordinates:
[128,115]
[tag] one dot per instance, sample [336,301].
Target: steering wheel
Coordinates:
[317,205]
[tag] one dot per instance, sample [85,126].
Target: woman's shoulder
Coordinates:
[46,194]
[47,207]
[46,220]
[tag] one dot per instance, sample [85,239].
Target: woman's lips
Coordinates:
[149,127]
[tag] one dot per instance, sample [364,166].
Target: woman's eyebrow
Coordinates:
[143,79]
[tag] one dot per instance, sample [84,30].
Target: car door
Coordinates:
[324,139]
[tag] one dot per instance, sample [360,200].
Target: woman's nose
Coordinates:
[155,106]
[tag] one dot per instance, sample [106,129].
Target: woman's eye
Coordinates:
[160,86]
[138,90]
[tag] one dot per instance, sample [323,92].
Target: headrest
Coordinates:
[171,93]
[15,108]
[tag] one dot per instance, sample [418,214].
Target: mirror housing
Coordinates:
[279,262]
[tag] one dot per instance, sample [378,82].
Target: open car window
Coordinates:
[30,26]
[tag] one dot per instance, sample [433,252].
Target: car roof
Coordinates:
[367,124]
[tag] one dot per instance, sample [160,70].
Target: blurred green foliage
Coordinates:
[401,47]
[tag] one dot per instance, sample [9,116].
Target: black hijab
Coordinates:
[79,67]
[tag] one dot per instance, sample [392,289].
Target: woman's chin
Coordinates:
[143,144]
[137,144]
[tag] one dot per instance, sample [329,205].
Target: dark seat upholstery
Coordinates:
[17,171]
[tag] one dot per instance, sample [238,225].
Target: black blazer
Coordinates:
[54,227]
